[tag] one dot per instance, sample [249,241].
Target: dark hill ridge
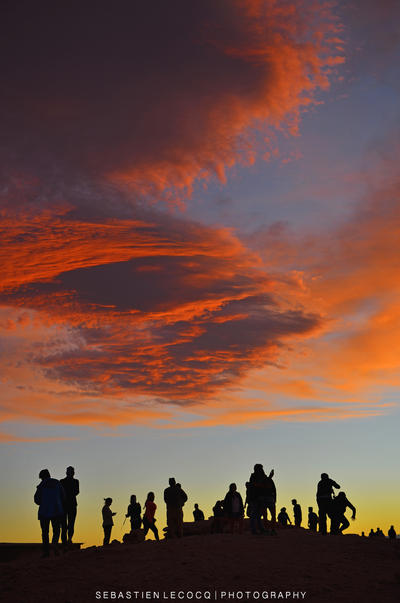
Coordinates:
[326,568]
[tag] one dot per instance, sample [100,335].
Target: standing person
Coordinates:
[339,522]
[174,498]
[134,511]
[149,520]
[198,514]
[107,520]
[49,496]
[297,513]
[312,520]
[392,533]
[71,489]
[261,496]
[324,499]
[234,508]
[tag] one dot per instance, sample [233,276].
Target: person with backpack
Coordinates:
[50,497]
[234,508]
[174,498]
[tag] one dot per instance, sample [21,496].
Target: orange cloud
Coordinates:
[173,96]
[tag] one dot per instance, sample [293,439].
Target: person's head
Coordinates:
[172,481]
[232,487]
[178,485]
[108,501]
[133,499]
[44,474]
[341,495]
[258,467]
[70,472]
[310,509]
[196,506]
[150,496]
[283,509]
[324,476]
[294,501]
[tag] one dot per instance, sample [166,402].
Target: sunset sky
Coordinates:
[200,251]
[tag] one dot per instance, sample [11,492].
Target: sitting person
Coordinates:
[134,512]
[283,517]
[198,513]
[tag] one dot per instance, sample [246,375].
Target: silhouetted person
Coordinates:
[218,521]
[297,513]
[234,508]
[371,533]
[49,496]
[174,498]
[283,517]
[379,532]
[71,489]
[261,496]
[392,533]
[107,520]
[312,519]
[324,499]
[134,511]
[339,522]
[198,513]
[149,521]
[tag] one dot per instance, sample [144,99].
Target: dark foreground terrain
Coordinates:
[296,565]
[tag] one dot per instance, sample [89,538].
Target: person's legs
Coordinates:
[146,526]
[71,516]
[179,522]
[344,523]
[64,529]
[56,526]
[154,530]
[322,510]
[45,524]
[107,535]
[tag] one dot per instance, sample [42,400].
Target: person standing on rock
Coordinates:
[174,498]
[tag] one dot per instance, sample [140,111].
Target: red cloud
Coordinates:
[176,311]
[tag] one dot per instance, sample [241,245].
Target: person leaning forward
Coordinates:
[324,499]
[174,498]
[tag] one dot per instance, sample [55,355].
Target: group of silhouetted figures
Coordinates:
[58,505]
